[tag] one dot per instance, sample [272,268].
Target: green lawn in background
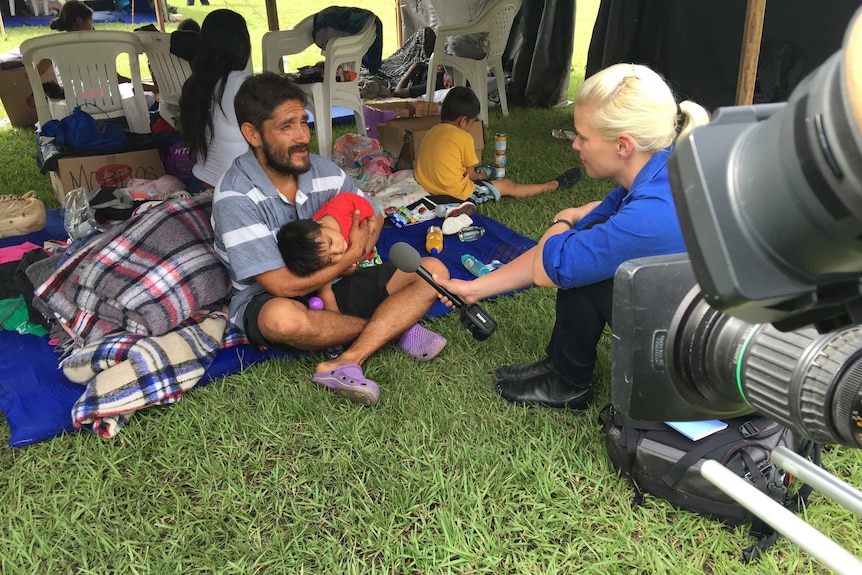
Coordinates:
[263,472]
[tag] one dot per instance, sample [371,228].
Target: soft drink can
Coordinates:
[500,143]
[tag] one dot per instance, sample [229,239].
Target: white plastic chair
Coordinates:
[86,63]
[34,5]
[169,72]
[345,51]
[496,22]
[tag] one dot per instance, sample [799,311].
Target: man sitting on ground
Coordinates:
[277,181]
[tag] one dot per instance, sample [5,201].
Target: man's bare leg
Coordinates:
[288,322]
[409,299]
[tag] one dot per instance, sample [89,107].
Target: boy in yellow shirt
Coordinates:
[447,163]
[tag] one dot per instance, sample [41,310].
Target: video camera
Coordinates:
[765,316]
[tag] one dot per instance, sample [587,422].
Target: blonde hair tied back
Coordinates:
[694,115]
[633,99]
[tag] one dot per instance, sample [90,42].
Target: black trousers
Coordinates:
[581,317]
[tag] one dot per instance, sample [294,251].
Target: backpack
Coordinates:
[659,460]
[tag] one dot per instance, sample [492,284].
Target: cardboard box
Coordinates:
[402,137]
[14,93]
[407,107]
[380,112]
[92,172]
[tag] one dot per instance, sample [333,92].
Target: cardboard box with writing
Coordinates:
[92,172]
[14,93]
[402,137]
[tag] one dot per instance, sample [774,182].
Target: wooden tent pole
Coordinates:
[159,5]
[754,14]
[398,23]
[271,15]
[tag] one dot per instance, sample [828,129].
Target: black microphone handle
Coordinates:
[425,275]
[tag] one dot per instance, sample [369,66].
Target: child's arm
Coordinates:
[328,296]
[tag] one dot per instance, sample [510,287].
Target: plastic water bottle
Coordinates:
[471,233]
[490,266]
[476,267]
[434,240]
[473,265]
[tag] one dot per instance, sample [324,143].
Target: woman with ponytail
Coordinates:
[207,115]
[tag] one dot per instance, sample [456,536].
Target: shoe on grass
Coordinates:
[349,381]
[421,344]
[569,178]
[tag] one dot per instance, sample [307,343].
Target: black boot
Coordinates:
[519,370]
[545,388]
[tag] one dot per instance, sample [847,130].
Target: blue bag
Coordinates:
[81,131]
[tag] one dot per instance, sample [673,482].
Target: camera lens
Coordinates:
[803,379]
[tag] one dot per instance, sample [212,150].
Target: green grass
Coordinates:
[263,472]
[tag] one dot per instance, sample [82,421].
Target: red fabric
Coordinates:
[161,125]
[341,207]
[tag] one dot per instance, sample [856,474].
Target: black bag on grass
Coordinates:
[661,461]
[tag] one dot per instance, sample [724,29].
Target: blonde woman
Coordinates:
[626,119]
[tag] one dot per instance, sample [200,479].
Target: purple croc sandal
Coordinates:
[349,381]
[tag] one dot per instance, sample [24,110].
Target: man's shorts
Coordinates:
[358,295]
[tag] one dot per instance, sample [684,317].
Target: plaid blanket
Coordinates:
[143,276]
[127,372]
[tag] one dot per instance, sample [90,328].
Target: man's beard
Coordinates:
[280,162]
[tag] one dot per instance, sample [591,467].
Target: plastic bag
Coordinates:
[81,131]
[78,218]
[353,147]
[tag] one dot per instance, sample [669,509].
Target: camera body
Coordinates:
[677,358]
[766,315]
[647,293]
[769,199]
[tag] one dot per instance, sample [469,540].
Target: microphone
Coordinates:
[407,259]
[473,317]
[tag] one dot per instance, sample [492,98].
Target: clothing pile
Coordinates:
[139,310]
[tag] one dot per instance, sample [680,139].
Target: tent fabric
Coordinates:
[696,46]
[543,57]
